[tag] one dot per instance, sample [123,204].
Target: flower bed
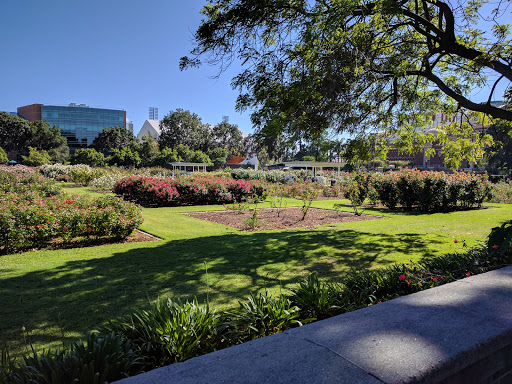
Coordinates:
[421,190]
[199,190]
[30,220]
[501,193]
[35,212]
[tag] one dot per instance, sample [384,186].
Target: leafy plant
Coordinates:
[102,358]
[500,239]
[253,221]
[316,299]
[170,332]
[307,197]
[260,316]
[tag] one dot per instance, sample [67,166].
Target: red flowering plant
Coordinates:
[196,190]
[30,220]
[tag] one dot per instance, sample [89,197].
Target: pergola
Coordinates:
[313,165]
[181,166]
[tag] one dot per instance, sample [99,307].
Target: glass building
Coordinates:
[77,122]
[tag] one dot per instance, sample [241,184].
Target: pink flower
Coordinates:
[401,278]
[455,241]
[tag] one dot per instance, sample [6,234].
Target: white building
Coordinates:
[150,127]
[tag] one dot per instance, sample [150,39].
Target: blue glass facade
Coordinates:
[81,124]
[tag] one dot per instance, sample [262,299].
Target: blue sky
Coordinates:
[120,54]
[110,54]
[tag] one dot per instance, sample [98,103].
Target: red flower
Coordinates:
[455,241]
[495,246]
[468,274]
[40,226]
[401,278]
[89,229]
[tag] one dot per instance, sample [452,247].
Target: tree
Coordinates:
[499,157]
[3,156]
[36,158]
[185,153]
[228,136]
[218,156]
[88,156]
[14,132]
[148,151]
[186,128]
[201,157]
[113,138]
[123,157]
[354,66]
[167,156]
[49,139]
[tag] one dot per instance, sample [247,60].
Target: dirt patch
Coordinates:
[288,218]
[135,237]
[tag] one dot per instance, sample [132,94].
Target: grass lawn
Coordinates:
[60,295]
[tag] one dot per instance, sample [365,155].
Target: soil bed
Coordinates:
[136,236]
[288,218]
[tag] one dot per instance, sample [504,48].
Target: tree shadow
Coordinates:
[65,302]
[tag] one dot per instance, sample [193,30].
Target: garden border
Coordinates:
[445,334]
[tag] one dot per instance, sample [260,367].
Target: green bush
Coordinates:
[170,332]
[101,359]
[260,316]
[88,156]
[82,174]
[423,191]
[36,158]
[3,157]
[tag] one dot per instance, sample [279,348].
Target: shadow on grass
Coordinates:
[80,295]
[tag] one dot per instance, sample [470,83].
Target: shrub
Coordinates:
[316,299]
[501,193]
[260,316]
[3,157]
[36,158]
[103,358]
[106,182]
[83,174]
[88,156]
[147,191]
[32,220]
[198,190]
[21,179]
[53,171]
[424,191]
[170,332]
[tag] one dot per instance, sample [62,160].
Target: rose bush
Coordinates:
[425,191]
[199,190]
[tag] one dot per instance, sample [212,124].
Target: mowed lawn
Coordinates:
[58,296]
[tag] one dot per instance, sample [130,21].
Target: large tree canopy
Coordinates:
[357,66]
[186,128]
[15,132]
[44,137]
[113,138]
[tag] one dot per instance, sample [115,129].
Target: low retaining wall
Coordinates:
[455,333]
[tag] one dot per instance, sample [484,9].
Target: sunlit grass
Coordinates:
[60,295]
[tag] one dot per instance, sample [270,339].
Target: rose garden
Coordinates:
[148,270]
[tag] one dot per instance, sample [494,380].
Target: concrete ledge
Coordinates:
[456,333]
